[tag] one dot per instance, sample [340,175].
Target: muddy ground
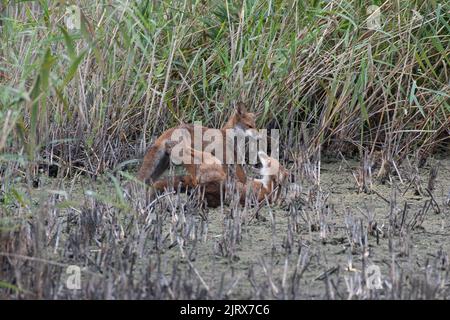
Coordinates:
[317,244]
[329,252]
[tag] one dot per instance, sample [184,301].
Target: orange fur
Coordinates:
[273,175]
[157,158]
[207,173]
[211,177]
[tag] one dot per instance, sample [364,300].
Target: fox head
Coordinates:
[271,170]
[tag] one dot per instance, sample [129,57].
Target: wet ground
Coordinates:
[318,243]
[328,245]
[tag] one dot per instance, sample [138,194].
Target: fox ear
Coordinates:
[241,108]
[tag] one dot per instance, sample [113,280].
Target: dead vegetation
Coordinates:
[79,108]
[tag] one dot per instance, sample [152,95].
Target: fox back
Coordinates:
[157,158]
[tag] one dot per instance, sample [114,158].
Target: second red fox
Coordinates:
[211,176]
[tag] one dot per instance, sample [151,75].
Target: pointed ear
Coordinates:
[241,108]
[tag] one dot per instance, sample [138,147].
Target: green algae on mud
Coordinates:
[316,245]
[329,252]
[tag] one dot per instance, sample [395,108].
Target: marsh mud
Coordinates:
[332,244]
[325,240]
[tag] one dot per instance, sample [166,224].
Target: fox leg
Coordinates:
[181,183]
[156,161]
[240,174]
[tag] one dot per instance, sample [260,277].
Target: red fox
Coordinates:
[274,175]
[157,158]
[210,175]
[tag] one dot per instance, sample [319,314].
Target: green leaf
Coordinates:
[413,98]
[69,43]
[8,285]
[73,69]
